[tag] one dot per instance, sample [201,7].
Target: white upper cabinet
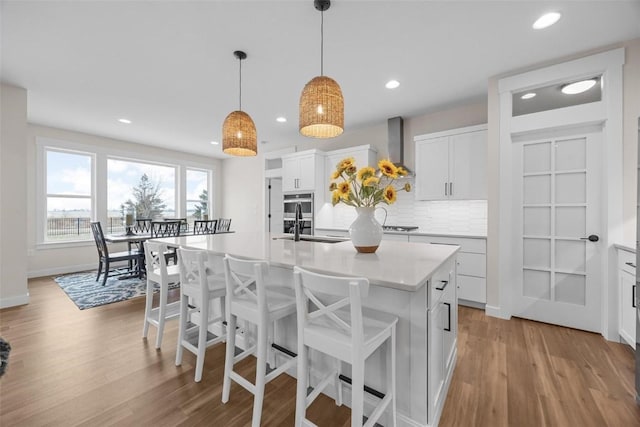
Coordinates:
[364,155]
[452,164]
[302,171]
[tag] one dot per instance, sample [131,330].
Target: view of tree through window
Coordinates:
[197,194]
[69,198]
[149,189]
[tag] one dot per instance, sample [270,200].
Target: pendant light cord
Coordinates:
[240,91]
[322,43]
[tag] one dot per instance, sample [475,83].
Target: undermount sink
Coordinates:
[307,238]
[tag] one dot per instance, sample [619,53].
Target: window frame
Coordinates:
[99,176]
[209,173]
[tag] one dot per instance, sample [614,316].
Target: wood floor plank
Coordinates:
[92,368]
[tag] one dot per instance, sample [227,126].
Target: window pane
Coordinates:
[197,194]
[150,189]
[68,173]
[68,219]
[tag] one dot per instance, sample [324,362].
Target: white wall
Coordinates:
[13,196]
[631,112]
[48,261]
[243,194]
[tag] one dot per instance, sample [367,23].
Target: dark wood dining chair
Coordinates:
[134,257]
[167,228]
[224,224]
[202,226]
[142,226]
[184,225]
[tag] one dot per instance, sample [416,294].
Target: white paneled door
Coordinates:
[557,211]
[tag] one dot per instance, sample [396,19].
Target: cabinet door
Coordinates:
[436,357]
[306,173]
[432,169]
[627,309]
[290,173]
[468,166]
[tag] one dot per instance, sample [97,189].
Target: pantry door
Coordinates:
[557,218]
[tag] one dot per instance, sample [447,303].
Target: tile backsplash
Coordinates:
[445,216]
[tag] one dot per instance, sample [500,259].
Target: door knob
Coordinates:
[592,238]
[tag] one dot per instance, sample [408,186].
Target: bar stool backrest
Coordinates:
[193,276]
[245,282]
[155,260]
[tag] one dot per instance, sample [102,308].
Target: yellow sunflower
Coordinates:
[365,173]
[407,187]
[402,171]
[343,190]
[333,186]
[345,163]
[388,168]
[390,194]
[335,174]
[335,197]
[372,181]
[350,170]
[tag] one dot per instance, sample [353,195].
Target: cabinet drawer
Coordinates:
[472,264]
[466,244]
[472,288]
[439,283]
[627,261]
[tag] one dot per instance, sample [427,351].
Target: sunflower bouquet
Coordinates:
[366,187]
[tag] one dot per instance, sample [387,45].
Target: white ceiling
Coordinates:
[169,66]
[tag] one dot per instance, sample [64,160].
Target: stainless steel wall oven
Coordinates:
[289,217]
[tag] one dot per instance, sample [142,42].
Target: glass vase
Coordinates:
[365,231]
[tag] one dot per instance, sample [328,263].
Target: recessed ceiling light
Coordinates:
[528,95]
[546,20]
[392,84]
[214,143]
[578,87]
[126,121]
[281,119]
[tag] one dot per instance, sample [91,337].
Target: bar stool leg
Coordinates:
[147,308]
[230,353]
[301,390]
[391,354]
[338,383]
[162,309]
[182,328]
[202,340]
[357,392]
[261,367]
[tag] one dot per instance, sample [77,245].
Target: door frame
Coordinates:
[608,114]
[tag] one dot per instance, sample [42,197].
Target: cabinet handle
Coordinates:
[448,328]
[445,189]
[630,264]
[446,282]
[451,188]
[633,296]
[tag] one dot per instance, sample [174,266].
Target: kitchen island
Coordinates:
[414,281]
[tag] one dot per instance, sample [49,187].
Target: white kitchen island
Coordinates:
[414,281]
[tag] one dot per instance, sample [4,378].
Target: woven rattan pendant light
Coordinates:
[321,102]
[239,136]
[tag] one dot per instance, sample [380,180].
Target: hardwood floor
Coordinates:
[71,367]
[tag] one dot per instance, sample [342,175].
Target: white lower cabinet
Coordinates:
[627,295]
[472,266]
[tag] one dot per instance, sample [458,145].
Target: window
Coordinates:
[197,195]
[69,198]
[150,189]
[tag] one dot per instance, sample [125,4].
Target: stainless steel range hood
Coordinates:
[395,142]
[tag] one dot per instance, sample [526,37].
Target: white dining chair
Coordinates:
[158,272]
[331,321]
[199,288]
[249,298]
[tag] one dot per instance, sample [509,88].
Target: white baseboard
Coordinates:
[14,301]
[61,270]
[494,311]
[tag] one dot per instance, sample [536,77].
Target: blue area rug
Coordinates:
[85,292]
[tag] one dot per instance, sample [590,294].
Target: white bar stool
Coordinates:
[337,327]
[158,272]
[199,287]
[250,299]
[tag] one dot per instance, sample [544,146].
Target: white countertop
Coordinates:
[420,232]
[399,265]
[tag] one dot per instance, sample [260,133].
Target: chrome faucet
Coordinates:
[297,224]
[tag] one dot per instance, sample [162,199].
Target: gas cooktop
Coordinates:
[399,227]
